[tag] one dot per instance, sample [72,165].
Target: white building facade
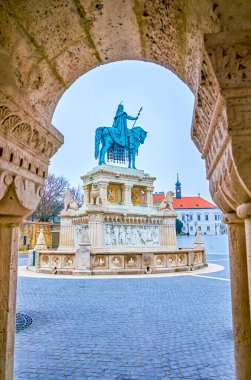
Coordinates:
[196,213]
[206,220]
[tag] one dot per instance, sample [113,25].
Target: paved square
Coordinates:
[144,328]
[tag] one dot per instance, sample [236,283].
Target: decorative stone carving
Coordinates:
[82,233]
[167,202]
[116,262]
[113,193]
[181,259]
[68,262]
[198,241]
[160,261]
[45,261]
[40,244]
[95,198]
[131,262]
[147,260]
[129,234]
[172,260]
[56,261]
[21,130]
[136,195]
[24,194]
[99,262]
[69,203]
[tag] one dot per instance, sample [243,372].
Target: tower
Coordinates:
[178,188]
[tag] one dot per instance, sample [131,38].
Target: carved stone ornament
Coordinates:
[19,196]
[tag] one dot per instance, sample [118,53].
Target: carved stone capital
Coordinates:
[231,218]
[26,147]
[19,196]
[127,187]
[244,210]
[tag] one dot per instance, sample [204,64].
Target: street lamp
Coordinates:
[187,215]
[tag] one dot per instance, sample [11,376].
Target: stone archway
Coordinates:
[45,46]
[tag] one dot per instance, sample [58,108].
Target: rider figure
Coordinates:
[120,133]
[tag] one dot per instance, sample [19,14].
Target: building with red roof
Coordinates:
[196,213]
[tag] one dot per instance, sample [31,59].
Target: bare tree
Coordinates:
[52,201]
[77,194]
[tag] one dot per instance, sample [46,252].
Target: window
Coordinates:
[191,228]
[183,218]
[215,217]
[198,217]
[191,217]
[199,228]
[208,228]
[206,217]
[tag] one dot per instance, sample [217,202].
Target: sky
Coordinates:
[92,100]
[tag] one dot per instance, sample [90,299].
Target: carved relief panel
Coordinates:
[127,234]
[114,193]
[181,259]
[116,262]
[68,262]
[56,261]
[82,233]
[45,261]
[99,262]
[171,260]
[136,195]
[160,261]
[132,262]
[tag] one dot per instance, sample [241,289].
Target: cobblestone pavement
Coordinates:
[145,328]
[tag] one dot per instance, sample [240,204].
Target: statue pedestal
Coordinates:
[118,230]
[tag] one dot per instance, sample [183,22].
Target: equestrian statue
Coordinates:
[119,142]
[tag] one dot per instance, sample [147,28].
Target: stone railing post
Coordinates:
[240,295]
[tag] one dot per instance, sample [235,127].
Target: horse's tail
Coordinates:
[98,134]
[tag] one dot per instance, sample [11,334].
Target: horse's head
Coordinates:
[142,136]
[140,133]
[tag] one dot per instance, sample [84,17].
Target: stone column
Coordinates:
[86,195]
[240,295]
[26,146]
[96,230]
[103,193]
[149,196]
[18,197]
[126,195]
[8,283]
[244,211]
